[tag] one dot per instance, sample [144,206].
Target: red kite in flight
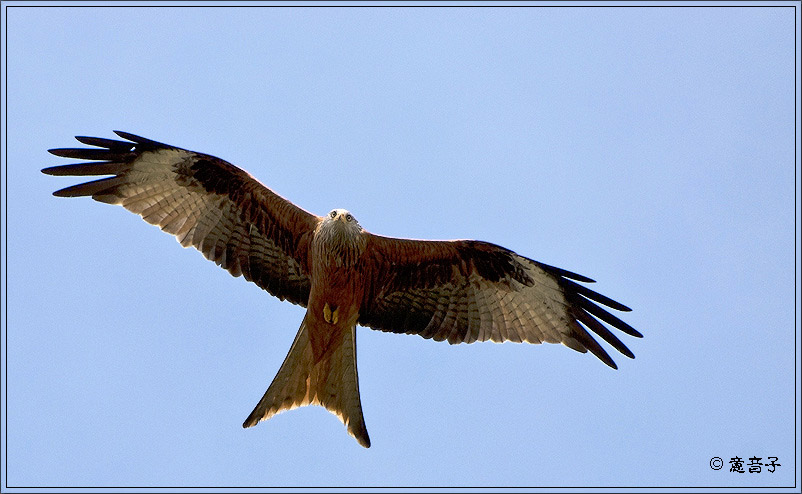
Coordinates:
[458,290]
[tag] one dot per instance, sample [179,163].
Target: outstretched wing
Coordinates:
[465,291]
[205,202]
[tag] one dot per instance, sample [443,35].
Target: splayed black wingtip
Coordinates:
[605,316]
[603,332]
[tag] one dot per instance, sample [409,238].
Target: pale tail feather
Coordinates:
[332,383]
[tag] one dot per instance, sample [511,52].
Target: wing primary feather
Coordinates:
[141,140]
[101,168]
[92,154]
[105,143]
[564,273]
[595,296]
[89,188]
[605,316]
[583,337]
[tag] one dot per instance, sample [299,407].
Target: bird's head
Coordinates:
[342,221]
[341,234]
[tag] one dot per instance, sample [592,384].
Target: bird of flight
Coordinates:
[461,291]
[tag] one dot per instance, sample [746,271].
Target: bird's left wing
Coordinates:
[205,202]
[466,291]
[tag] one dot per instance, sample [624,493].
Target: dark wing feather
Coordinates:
[464,291]
[205,202]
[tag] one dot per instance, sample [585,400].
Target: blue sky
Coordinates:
[651,149]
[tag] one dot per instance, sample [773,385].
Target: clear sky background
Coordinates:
[651,149]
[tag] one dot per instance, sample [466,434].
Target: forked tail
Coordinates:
[331,383]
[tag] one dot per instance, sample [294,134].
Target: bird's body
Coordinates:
[458,290]
[337,281]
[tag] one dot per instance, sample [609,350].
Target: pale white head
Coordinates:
[340,235]
[342,220]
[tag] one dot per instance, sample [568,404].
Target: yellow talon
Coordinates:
[330,316]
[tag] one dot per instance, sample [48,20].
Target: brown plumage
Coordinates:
[458,290]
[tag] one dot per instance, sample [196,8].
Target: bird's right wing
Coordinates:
[206,203]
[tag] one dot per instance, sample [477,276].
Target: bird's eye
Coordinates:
[333,214]
[348,217]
